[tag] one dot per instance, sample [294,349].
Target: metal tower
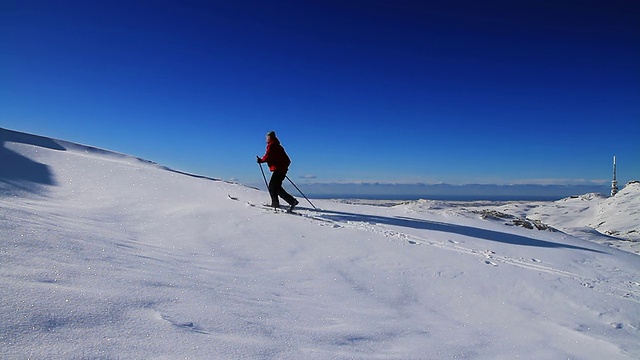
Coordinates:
[614,182]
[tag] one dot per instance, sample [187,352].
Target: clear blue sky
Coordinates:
[407,91]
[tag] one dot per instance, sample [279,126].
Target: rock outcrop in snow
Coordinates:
[617,216]
[588,216]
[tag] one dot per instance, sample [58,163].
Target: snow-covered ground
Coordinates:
[106,256]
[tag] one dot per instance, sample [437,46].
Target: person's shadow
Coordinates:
[414,223]
[19,173]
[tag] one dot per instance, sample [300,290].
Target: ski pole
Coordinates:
[264,177]
[294,185]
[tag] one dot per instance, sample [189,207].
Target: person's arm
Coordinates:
[265,157]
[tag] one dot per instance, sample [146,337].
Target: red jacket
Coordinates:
[276,157]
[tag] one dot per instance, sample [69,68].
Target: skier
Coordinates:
[278,162]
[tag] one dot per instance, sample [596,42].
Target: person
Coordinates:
[278,162]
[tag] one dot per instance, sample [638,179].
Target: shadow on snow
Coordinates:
[19,173]
[449,228]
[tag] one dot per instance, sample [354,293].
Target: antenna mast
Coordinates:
[614,182]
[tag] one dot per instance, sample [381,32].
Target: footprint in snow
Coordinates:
[587,285]
[189,326]
[489,262]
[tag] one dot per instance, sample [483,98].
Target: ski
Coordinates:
[278,209]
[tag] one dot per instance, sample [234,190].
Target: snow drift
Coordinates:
[108,256]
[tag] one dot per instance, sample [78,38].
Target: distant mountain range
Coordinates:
[450,192]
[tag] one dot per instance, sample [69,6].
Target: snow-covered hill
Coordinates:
[613,221]
[620,215]
[108,256]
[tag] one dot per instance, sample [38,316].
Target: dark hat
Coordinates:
[271,134]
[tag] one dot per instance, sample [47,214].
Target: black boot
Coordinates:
[292,205]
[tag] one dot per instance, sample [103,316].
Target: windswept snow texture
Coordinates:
[106,256]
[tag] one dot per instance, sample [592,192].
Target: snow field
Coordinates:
[107,256]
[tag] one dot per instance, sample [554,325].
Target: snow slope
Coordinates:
[108,256]
[613,221]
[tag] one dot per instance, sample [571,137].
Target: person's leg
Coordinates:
[276,189]
[275,185]
[285,195]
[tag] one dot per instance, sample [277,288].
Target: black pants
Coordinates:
[276,189]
